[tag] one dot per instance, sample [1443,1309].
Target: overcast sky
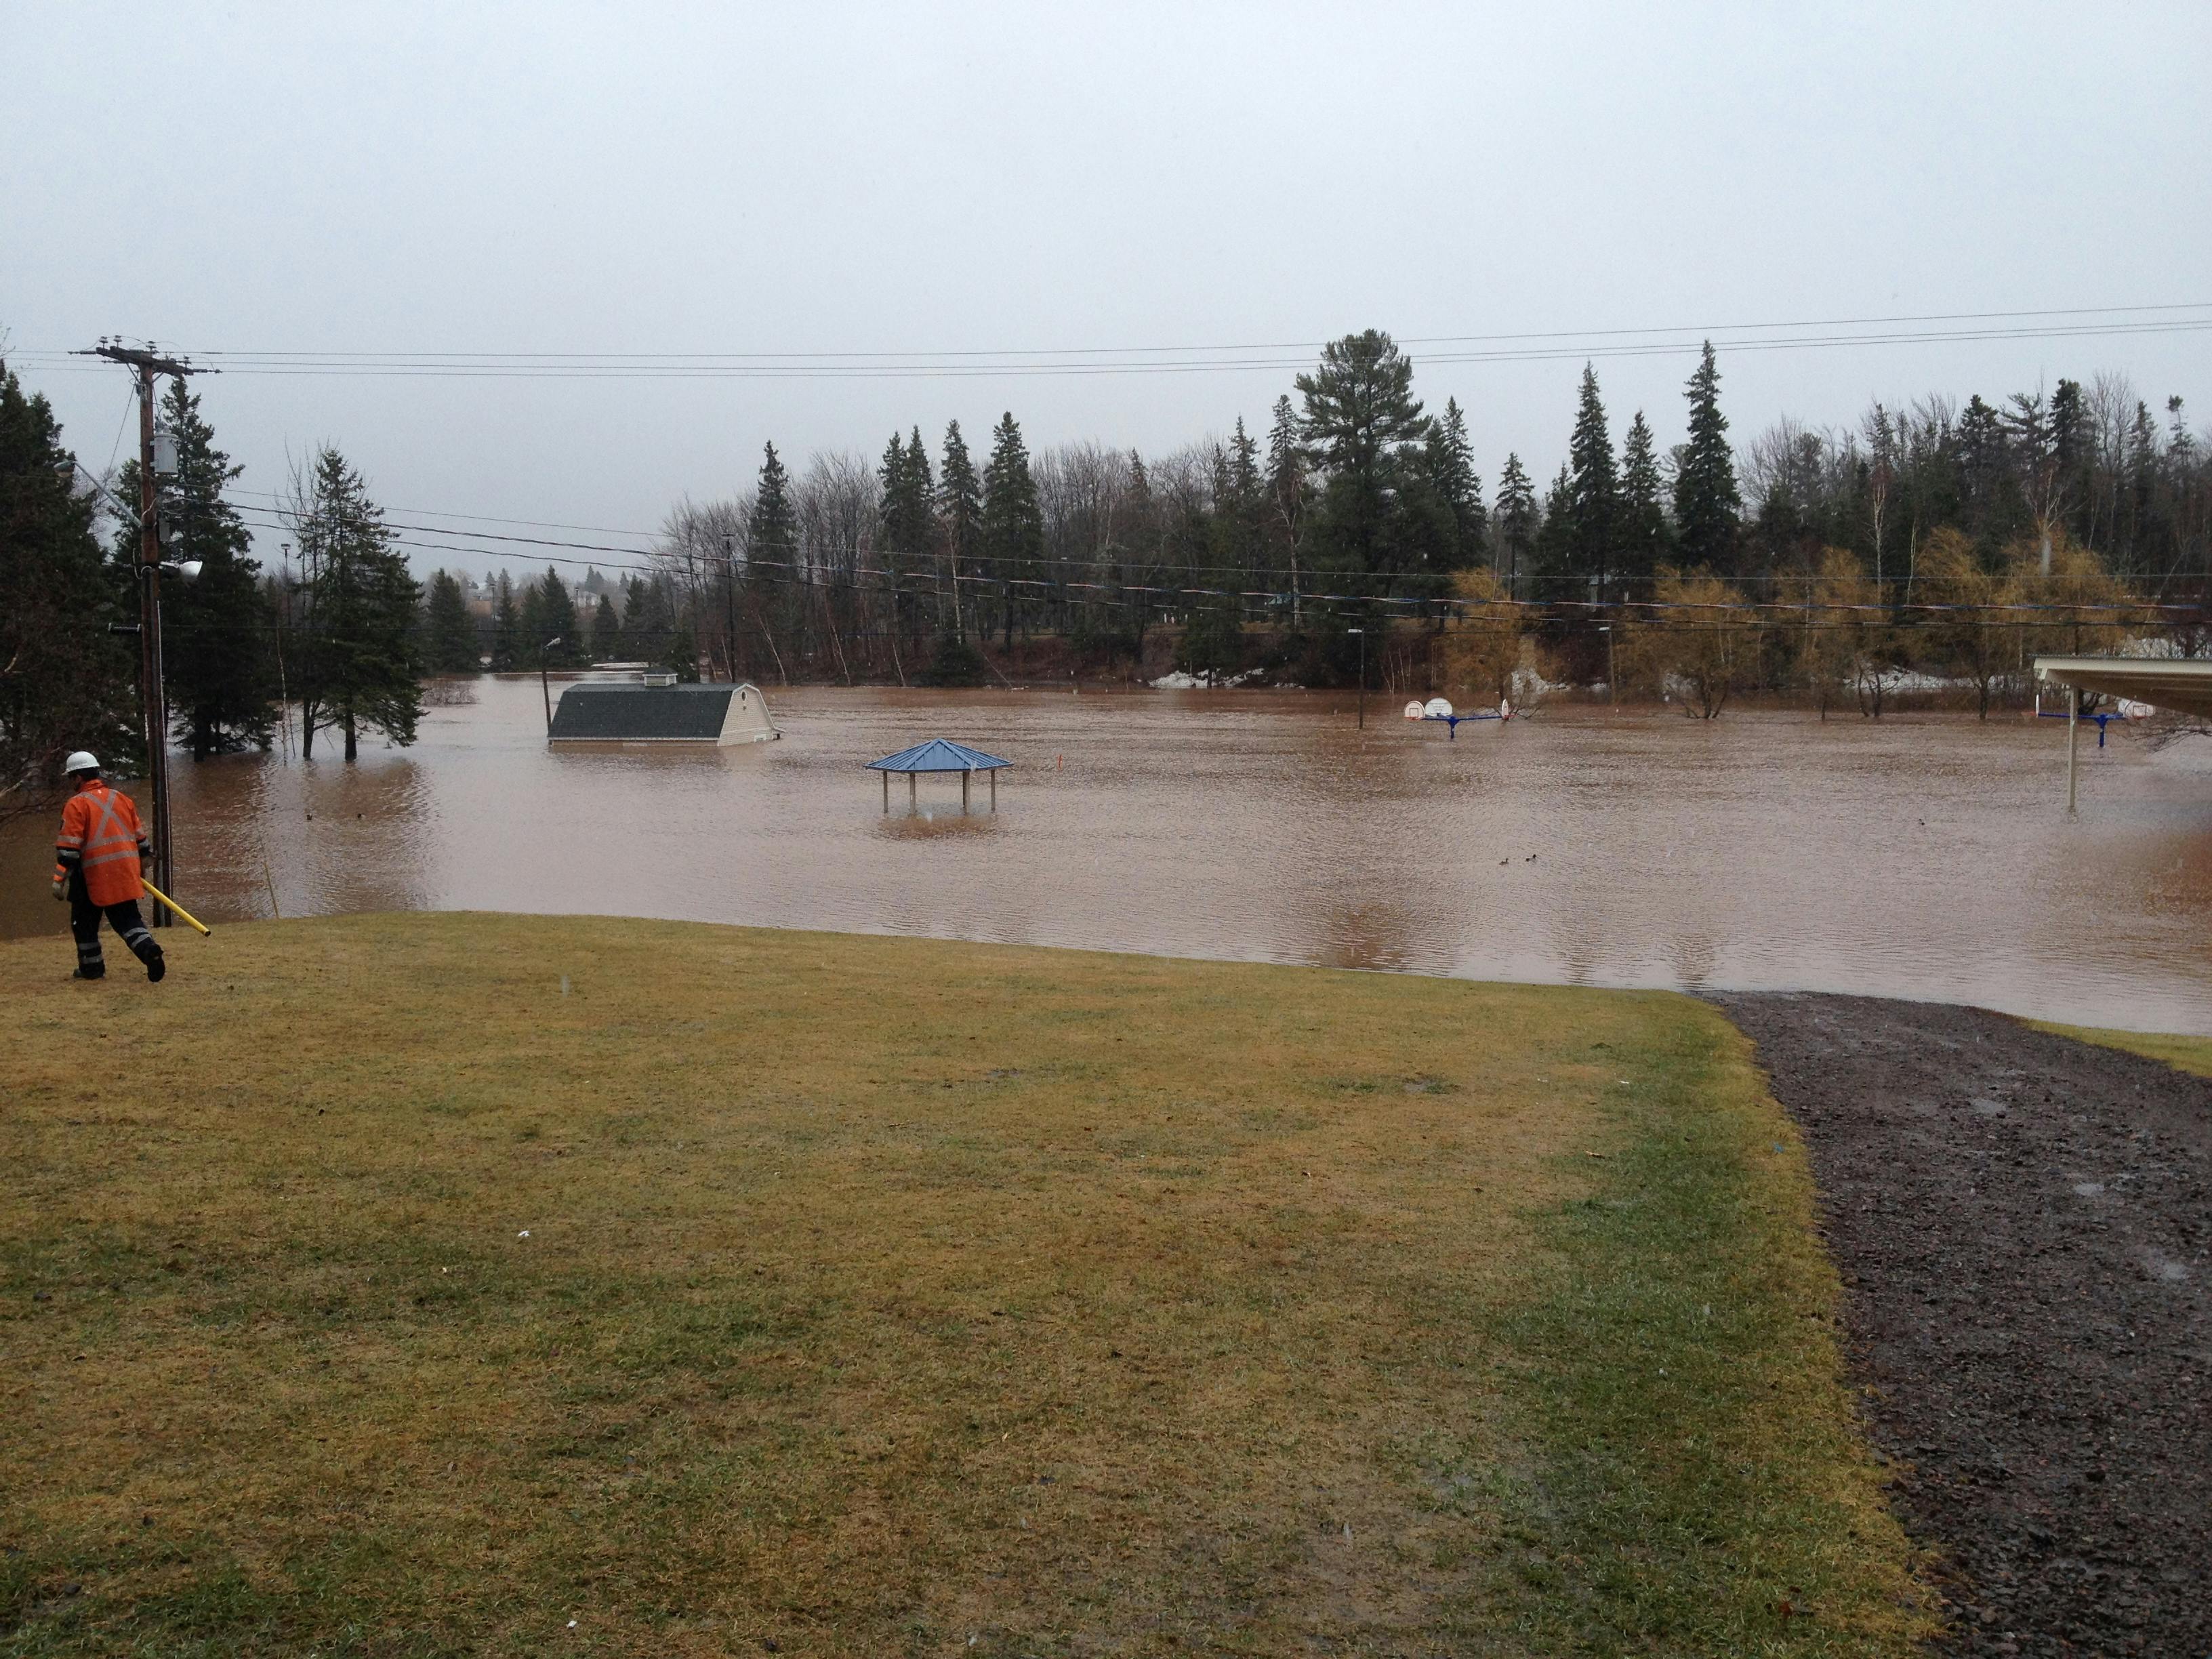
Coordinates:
[912,178]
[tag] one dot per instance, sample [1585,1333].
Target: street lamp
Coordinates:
[1362,632]
[544,686]
[1612,680]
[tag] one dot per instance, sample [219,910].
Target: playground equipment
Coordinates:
[1440,711]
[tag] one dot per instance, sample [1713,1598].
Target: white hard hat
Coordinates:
[83,761]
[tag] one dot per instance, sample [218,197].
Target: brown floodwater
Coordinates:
[1928,857]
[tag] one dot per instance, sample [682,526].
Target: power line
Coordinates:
[1536,347]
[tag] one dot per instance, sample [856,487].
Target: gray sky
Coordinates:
[977,177]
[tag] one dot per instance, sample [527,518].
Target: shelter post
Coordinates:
[966,778]
[887,792]
[2073,743]
[994,789]
[912,805]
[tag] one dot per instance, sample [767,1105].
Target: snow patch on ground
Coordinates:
[1180,681]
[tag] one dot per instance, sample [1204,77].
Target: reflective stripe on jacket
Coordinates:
[100,836]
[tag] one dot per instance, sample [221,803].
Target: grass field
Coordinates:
[2187,1053]
[365,1293]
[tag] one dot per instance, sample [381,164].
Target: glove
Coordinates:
[61,888]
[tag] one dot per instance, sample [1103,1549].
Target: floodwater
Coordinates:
[1927,857]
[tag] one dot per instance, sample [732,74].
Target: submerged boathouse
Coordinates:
[661,711]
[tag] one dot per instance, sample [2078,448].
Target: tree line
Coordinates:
[1819,560]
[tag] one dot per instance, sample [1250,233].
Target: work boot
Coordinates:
[156,965]
[97,973]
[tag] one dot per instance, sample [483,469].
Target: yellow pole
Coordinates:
[186,915]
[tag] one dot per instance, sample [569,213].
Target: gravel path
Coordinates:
[2023,1223]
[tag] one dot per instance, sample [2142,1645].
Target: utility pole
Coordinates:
[153,698]
[1363,675]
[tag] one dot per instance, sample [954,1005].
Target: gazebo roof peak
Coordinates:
[939,755]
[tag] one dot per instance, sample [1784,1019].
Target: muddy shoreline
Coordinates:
[2023,1224]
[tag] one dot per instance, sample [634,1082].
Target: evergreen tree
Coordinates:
[1594,506]
[507,628]
[1644,522]
[67,684]
[682,655]
[1012,527]
[640,643]
[1286,496]
[533,633]
[1212,642]
[959,514]
[1451,470]
[1360,419]
[607,631]
[1708,510]
[217,628]
[955,662]
[772,533]
[449,633]
[909,525]
[556,615]
[1517,523]
[1238,537]
[1555,541]
[361,670]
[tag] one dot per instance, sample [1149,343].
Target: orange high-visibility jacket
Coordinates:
[101,836]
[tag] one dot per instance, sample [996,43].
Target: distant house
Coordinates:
[660,711]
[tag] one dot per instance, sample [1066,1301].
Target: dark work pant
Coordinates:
[124,918]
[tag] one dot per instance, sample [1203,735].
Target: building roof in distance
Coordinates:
[641,713]
[939,755]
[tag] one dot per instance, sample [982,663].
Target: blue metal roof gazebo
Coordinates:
[939,755]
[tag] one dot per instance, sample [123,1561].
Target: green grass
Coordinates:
[2185,1054]
[883,1294]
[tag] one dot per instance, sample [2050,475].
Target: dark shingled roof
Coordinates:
[641,713]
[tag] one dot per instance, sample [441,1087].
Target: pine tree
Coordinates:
[1644,522]
[1013,526]
[1360,416]
[1517,523]
[505,627]
[1238,536]
[959,513]
[607,631]
[1708,510]
[218,665]
[1555,539]
[361,670]
[556,615]
[1286,496]
[908,524]
[772,533]
[1594,506]
[1451,469]
[67,683]
[531,635]
[638,641]
[772,552]
[449,633]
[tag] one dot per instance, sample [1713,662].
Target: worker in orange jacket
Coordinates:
[96,859]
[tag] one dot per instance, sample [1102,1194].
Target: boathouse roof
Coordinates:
[939,755]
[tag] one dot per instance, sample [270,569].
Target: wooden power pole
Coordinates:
[152,695]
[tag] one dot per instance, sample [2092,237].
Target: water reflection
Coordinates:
[1923,858]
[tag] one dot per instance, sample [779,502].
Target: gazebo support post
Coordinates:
[887,792]
[965,777]
[994,789]
[912,806]
[2073,743]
